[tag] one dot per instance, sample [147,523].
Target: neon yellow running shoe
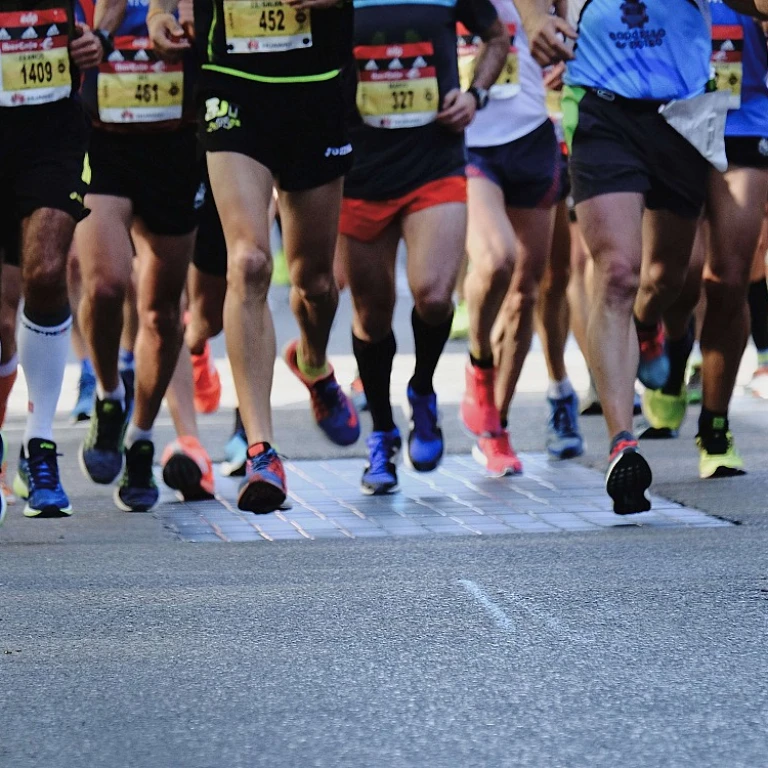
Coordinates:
[694,384]
[460,324]
[664,413]
[719,457]
[280,273]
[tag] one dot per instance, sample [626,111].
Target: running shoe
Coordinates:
[664,413]
[264,489]
[695,384]
[235,454]
[281,275]
[101,454]
[5,489]
[497,455]
[718,456]
[758,384]
[460,322]
[357,395]
[425,440]
[628,476]
[653,368]
[137,490]
[564,440]
[86,396]
[207,382]
[3,498]
[333,410]
[478,407]
[187,468]
[37,481]
[380,473]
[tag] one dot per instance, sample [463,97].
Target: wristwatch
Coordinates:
[107,41]
[481,96]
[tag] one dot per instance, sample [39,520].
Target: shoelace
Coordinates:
[138,472]
[561,420]
[266,461]
[380,455]
[44,471]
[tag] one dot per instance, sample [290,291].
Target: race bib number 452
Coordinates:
[34,58]
[265,26]
[397,85]
[134,86]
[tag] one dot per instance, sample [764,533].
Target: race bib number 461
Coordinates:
[134,86]
[397,85]
[265,26]
[34,59]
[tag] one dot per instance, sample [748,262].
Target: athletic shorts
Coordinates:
[158,172]
[627,146]
[366,220]
[42,165]
[527,170]
[210,255]
[296,130]
[747,151]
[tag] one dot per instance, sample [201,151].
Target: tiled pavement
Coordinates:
[456,500]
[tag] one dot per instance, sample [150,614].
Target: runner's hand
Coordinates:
[544,38]
[308,5]
[168,36]
[85,49]
[459,110]
[553,77]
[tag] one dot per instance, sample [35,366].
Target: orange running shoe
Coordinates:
[188,469]
[478,408]
[207,382]
[5,489]
[497,455]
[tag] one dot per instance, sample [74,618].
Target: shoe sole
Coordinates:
[260,498]
[628,478]
[80,418]
[479,457]
[50,511]
[84,468]
[568,453]
[659,433]
[141,508]
[421,466]
[182,474]
[721,472]
[386,491]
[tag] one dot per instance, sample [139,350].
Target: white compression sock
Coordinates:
[43,354]
[560,389]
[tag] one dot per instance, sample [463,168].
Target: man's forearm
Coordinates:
[532,8]
[109,14]
[162,6]
[493,56]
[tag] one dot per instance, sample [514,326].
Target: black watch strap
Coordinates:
[106,40]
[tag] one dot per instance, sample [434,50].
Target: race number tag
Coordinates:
[508,83]
[397,85]
[34,60]
[265,26]
[134,86]
[727,54]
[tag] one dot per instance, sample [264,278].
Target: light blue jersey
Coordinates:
[659,49]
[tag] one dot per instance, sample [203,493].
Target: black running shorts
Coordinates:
[158,172]
[747,151]
[624,146]
[210,247]
[296,130]
[42,165]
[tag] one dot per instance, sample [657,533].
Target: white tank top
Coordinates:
[518,103]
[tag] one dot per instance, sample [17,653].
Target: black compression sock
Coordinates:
[429,342]
[374,363]
[758,312]
[678,352]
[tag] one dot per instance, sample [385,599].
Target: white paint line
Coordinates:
[500,619]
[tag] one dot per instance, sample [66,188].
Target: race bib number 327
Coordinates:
[265,26]
[34,58]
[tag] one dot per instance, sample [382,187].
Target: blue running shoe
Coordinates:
[86,394]
[37,481]
[333,410]
[425,440]
[137,491]
[3,500]
[564,440]
[264,489]
[380,473]
[101,454]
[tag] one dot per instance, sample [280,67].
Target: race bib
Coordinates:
[34,59]
[727,64]
[555,112]
[265,26]
[134,86]
[508,83]
[397,85]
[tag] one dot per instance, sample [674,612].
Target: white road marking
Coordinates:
[500,619]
